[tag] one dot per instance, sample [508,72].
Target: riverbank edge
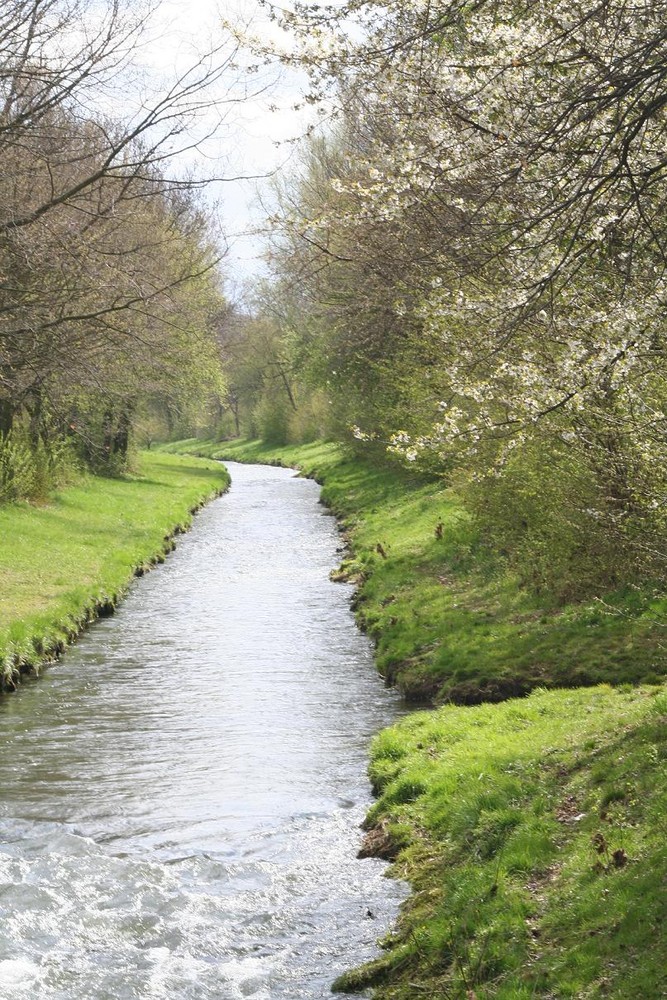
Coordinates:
[534,856]
[449,621]
[48,645]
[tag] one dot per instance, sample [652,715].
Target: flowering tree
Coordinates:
[499,193]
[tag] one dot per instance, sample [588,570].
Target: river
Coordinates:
[181,795]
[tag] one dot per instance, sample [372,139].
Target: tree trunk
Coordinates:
[107,433]
[121,438]
[35,409]
[6,417]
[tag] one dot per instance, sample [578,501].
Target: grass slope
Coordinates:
[537,849]
[64,563]
[532,831]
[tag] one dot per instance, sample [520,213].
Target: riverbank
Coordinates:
[449,621]
[531,831]
[65,563]
[532,834]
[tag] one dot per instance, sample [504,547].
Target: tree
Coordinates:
[496,221]
[108,277]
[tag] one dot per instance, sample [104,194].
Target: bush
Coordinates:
[17,470]
[271,420]
[548,515]
[30,472]
[311,422]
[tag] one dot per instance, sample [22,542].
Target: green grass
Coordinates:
[537,849]
[63,563]
[450,622]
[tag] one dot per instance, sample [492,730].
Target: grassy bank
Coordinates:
[66,562]
[536,848]
[450,622]
[532,831]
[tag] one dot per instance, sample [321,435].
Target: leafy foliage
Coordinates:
[109,294]
[473,259]
[30,472]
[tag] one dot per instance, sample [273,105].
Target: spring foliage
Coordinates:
[476,251]
[108,288]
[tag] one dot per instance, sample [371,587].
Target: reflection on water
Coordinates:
[181,795]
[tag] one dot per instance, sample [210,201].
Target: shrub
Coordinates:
[549,516]
[17,470]
[30,472]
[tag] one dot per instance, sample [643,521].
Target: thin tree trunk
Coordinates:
[6,417]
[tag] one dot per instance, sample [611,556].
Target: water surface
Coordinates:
[180,796]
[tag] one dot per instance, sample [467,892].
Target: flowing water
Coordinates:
[180,796]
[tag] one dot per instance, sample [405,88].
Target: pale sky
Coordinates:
[253,139]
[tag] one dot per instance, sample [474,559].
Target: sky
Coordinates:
[254,140]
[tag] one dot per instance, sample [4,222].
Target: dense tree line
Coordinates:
[470,265]
[109,292]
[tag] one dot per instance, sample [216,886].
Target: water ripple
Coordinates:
[181,795]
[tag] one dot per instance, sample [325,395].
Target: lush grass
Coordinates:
[450,622]
[532,831]
[538,852]
[63,563]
